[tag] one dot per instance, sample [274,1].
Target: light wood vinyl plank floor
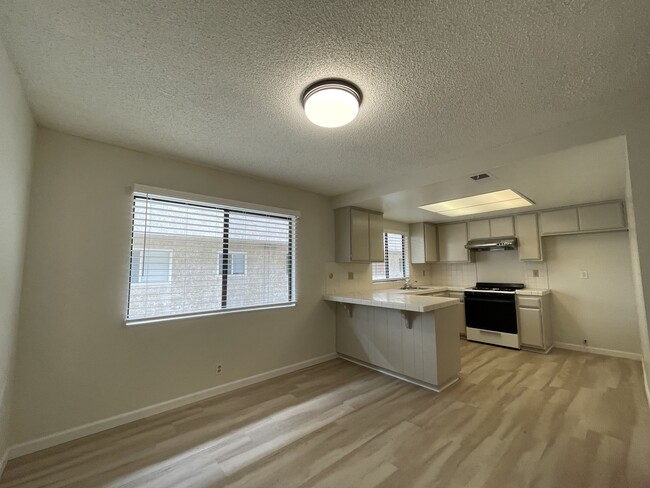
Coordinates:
[516,419]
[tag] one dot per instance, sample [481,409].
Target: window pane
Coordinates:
[156,266]
[182,248]
[395,265]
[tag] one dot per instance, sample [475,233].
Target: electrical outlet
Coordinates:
[219,369]
[535,273]
[424,272]
[584,274]
[350,275]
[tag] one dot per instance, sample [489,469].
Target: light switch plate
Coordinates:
[584,274]
[350,275]
[535,273]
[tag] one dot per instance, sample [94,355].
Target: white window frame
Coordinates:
[234,204]
[405,255]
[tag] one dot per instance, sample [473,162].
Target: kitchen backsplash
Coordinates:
[451,274]
[456,274]
[337,278]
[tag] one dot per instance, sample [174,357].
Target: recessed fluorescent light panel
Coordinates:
[487,202]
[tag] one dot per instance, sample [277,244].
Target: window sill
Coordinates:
[390,280]
[169,318]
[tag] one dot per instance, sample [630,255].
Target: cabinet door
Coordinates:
[530,327]
[502,227]
[430,243]
[451,243]
[528,237]
[376,237]
[601,217]
[359,235]
[461,296]
[351,332]
[559,221]
[479,229]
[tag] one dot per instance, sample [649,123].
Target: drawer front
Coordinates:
[529,302]
[498,338]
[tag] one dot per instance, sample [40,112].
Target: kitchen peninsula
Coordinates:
[406,335]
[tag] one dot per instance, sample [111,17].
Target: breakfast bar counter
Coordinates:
[414,338]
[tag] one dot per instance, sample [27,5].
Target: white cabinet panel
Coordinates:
[358,235]
[430,243]
[461,296]
[423,238]
[604,216]
[530,327]
[451,243]
[502,227]
[529,244]
[559,221]
[478,229]
[376,237]
[360,238]
[534,320]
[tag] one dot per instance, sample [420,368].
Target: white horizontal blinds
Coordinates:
[395,265]
[190,257]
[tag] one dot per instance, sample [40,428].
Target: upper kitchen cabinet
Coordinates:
[530,248]
[499,227]
[559,221]
[359,235]
[451,243]
[424,243]
[602,216]
[502,227]
[478,229]
[597,217]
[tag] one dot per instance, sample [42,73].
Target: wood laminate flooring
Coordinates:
[516,419]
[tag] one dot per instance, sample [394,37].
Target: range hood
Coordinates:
[492,244]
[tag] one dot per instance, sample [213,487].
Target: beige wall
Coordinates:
[601,309]
[16,138]
[76,361]
[638,198]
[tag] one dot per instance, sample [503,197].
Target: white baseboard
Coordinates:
[3,462]
[124,418]
[399,376]
[598,350]
[646,378]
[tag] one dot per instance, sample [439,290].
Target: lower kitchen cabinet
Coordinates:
[352,332]
[461,296]
[534,320]
[426,351]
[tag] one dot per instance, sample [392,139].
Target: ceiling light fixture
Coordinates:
[331,103]
[486,202]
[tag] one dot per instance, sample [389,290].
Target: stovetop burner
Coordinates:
[486,285]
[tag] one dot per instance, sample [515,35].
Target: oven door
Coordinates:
[491,311]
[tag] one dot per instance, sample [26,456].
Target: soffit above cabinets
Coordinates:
[583,174]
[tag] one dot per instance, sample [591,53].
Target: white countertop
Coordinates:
[409,300]
[395,299]
[538,292]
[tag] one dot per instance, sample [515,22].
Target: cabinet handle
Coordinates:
[490,332]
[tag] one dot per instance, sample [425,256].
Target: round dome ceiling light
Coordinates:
[331,103]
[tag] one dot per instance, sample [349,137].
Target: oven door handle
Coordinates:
[487,300]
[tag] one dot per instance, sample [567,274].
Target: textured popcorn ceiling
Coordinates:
[219,82]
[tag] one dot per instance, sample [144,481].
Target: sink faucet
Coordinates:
[407,285]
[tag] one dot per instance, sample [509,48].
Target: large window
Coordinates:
[194,257]
[396,260]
